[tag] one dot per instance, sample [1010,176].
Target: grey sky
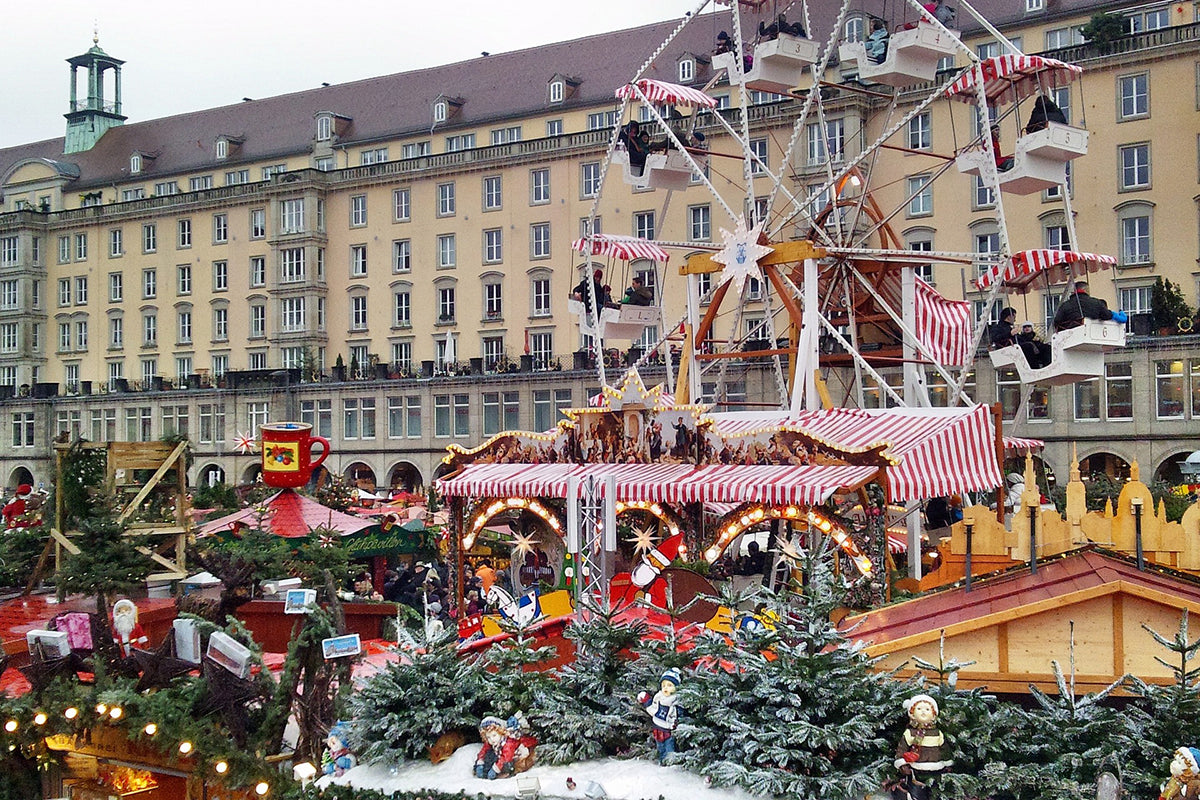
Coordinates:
[184,57]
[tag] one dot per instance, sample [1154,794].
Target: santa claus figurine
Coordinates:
[1185,775]
[656,559]
[127,632]
[14,510]
[919,754]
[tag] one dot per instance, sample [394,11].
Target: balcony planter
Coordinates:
[632,355]
[44,391]
[193,381]
[156,383]
[121,384]
[85,388]
[476,366]
[526,362]
[339,372]
[581,359]
[427,369]
[381,372]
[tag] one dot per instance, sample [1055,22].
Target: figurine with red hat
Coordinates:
[656,559]
[16,510]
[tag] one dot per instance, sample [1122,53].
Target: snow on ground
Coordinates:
[635,779]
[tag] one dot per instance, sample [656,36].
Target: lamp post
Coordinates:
[1136,503]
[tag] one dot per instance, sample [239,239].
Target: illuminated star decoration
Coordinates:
[523,544]
[790,553]
[643,540]
[244,443]
[326,540]
[741,254]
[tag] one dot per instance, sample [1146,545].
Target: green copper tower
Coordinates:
[90,117]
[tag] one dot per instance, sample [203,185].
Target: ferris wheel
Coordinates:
[809,273]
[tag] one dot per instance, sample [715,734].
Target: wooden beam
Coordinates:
[781,253]
[66,543]
[154,479]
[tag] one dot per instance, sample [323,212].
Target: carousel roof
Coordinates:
[626,248]
[940,451]
[291,514]
[1013,77]
[672,93]
[1019,272]
[663,483]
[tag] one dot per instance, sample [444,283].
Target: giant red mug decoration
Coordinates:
[287,453]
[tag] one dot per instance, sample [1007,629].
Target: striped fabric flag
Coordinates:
[944,326]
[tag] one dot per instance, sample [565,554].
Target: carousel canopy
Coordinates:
[1009,78]
[663,483]
[663,92]
[626,248]
[941,451]
[1019,445]
[290,515]
[1019,272]
[944,326]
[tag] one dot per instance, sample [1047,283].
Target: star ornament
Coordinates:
[244,443]
[523,544]
[740,255]
[643,540]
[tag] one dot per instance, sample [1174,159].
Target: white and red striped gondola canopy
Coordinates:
[1019,273]
[626,248]
[663,92]
[1009,78]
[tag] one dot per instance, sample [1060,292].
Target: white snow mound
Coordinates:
[634,779]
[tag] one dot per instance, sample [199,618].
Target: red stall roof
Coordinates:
[291,515]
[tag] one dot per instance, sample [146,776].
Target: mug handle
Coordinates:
[324,450]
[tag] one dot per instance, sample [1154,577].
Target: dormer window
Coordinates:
[222,149]
[324,128]
[135,163]
[687,70]
[440,111]
[556,91]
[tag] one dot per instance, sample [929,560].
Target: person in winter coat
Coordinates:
[1080,306]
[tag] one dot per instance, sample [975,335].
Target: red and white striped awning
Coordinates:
[626,248]
[1017,445]
[663,483]
[940,451]
[663,92]
[1009,78]
[1020,271]
[944,327]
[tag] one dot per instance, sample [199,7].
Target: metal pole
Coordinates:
[1137,530]
[1033,540]
[970,548]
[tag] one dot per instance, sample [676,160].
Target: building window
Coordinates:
[166,188]
[184,327]
[292,316]
[358,210]
[258,223]
[291,216]
[1058,237]
[441,416]
[590,183]
[402,305]
[116,332]
[1195,388]
[1168,389]
[920,131]
[829,140]
[920,191]
[446,304]
[1034,5]
[116,247]
[220,324]
[272,170]
[184,275]
[220,271]
[700,222]
[539,240]
[149,238]
[1136,299]
[447,252]
[1135,166]
[149,284]
[687,70]
[402,255]
[493,300]
[983,195]
[541,347]
[1087,401]
[185,233]
[540,292]
[291,265]
[64,292]
[258,271]
[1134,95]
[81,290]
[462,141]
[358,261]
[358,313]
[554,127]
[200,183]
[539,186]
[23,429]
[854,29]
[376,155]
[446,203]
[758,164]
[1135,239]
[324,131]
[149,329]
[416,149]
[358,418]
[64,249]
[402,204]
[556,91]
[493,246]
[491,193]
[258,321]
[237,176]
